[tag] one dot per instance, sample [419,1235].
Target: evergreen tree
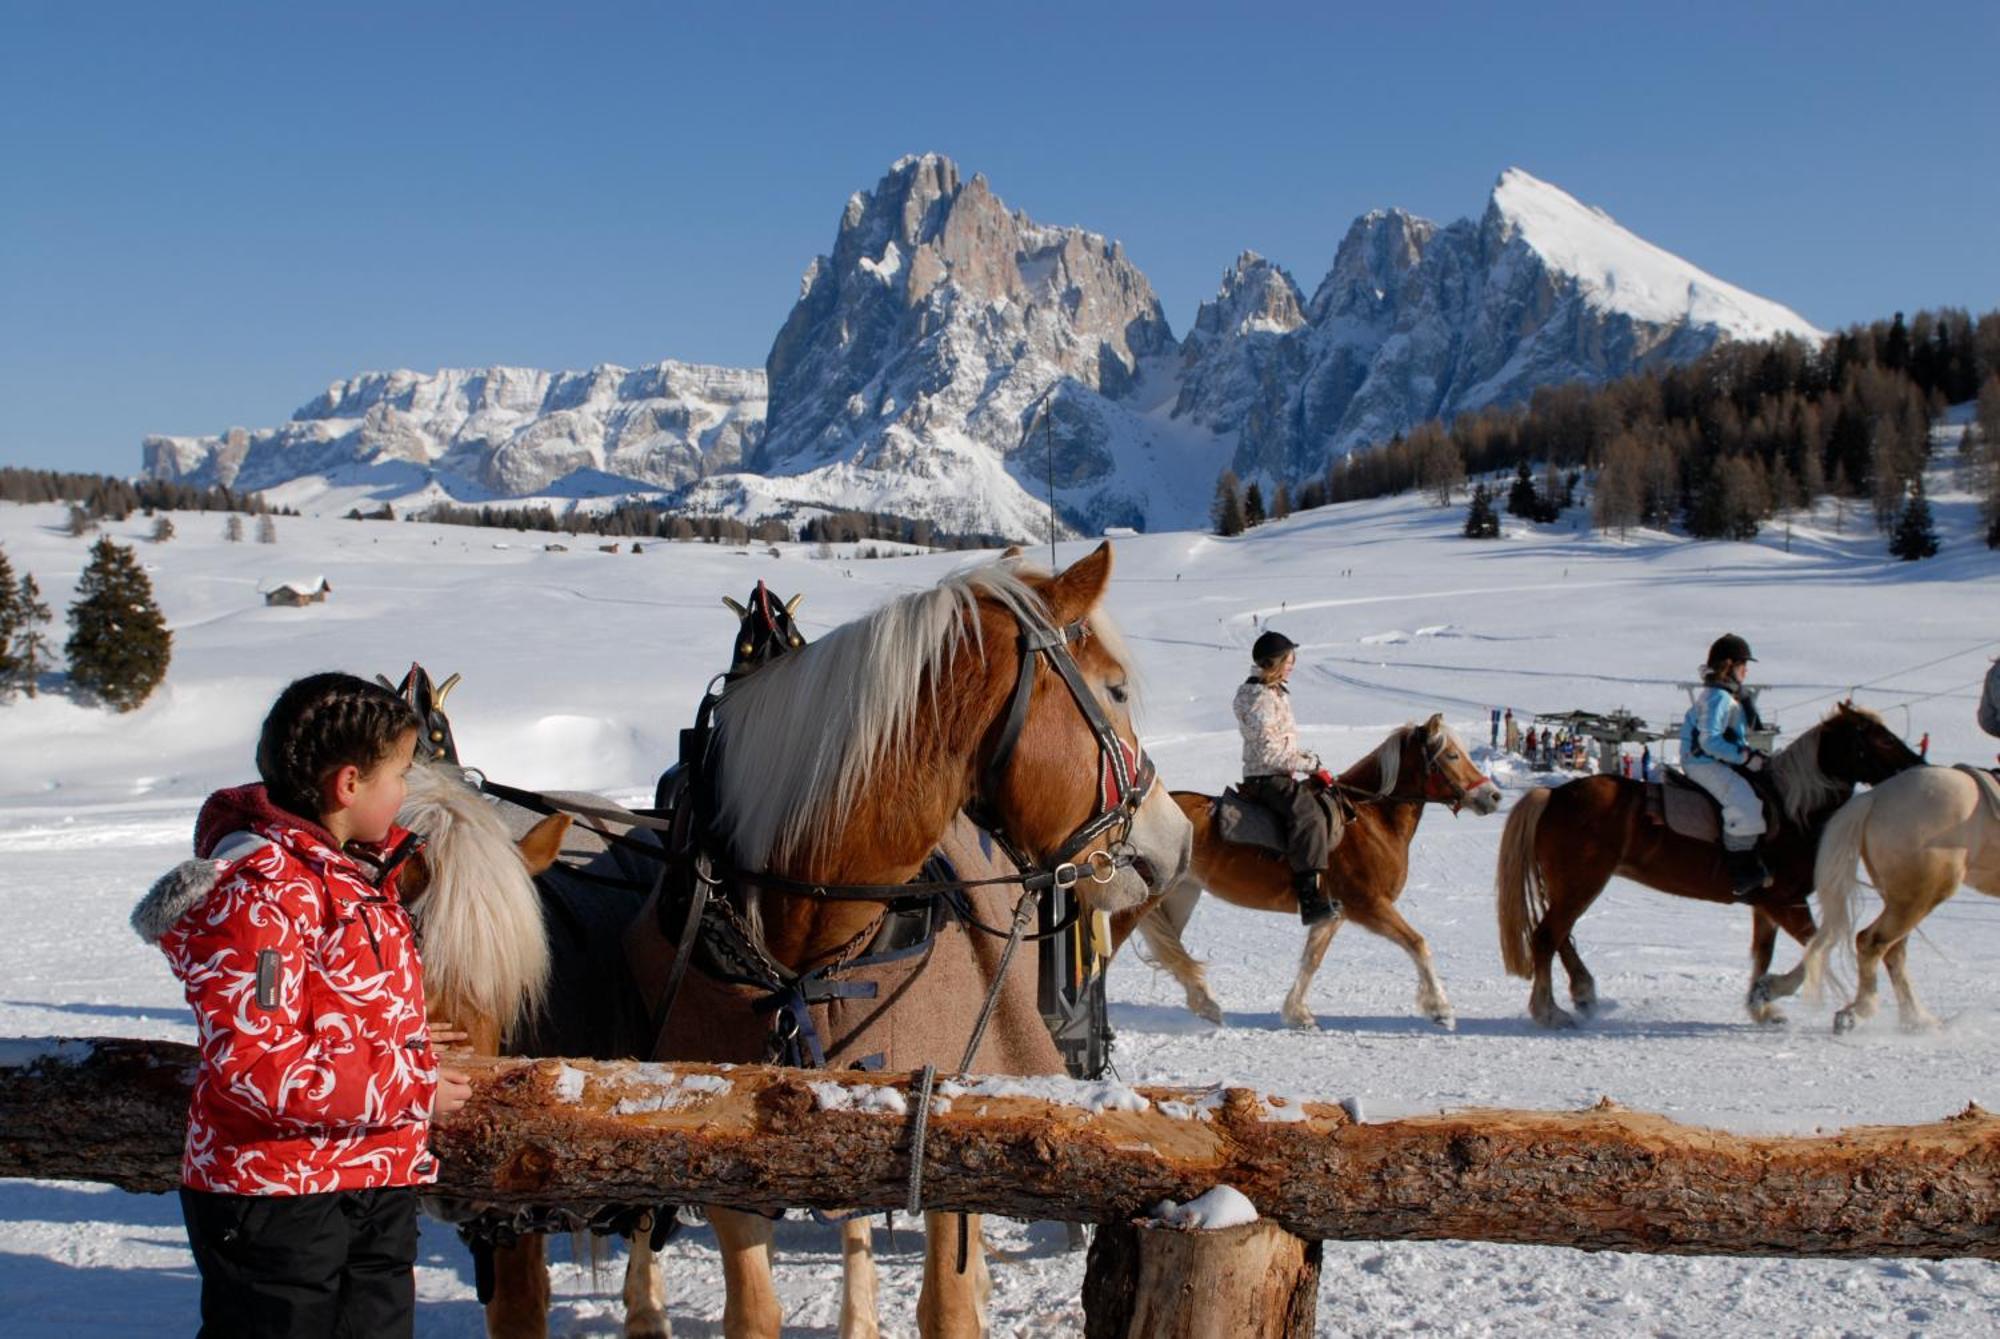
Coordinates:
[118,642]
[1253,505]
[232,529]
[1227,511]
[1521,499]
[267,529]
[80,523]
[1916,536]
[10,625]
[1481,522]
[31,642]
[163,529]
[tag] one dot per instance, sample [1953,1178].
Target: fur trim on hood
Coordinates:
[182,888]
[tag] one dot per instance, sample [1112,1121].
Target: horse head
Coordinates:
[1855,746]
[434,742]
[1073,763]
[1450,776]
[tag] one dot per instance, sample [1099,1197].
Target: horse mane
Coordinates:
[483,944]
[803,737]
[1796,772]
[1388,758]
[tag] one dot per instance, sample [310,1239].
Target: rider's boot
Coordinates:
[1747,873]
[1314,908]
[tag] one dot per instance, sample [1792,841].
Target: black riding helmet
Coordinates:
[1271,648]
[1728,647]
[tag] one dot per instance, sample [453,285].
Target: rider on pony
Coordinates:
[1717,755]
[1271,761]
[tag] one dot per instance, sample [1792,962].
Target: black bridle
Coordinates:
[1432,752]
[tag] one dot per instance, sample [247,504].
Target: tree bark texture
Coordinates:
[1253,1281]
[584,1133]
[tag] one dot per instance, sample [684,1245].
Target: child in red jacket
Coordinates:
[311,1112]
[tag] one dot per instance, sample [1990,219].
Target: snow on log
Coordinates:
[582,1132]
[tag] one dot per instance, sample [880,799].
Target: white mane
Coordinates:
[802,738]
[483,944]
[1388,757]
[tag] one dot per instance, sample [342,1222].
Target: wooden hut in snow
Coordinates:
[299,593]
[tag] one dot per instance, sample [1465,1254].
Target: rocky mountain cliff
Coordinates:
[952,359]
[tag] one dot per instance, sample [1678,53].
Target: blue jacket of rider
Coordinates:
[1715,727]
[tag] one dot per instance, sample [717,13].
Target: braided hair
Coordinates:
[320,724]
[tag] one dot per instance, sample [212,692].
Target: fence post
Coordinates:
[1252,1281]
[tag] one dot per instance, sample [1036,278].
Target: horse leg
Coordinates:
[751,1309]
[1372,913]
[1295,1013]
[1911,1015]
[1582,985]
[645,1292]
[1162,928]
[1795,919]
[858,1310]
[952,1305]
[520,1305]
[1870,946]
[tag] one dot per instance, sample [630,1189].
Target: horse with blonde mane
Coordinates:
[1416,766]
[840,766]
[1561,846]
[1922,835]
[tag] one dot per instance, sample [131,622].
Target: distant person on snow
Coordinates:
[1512,730]
[1716,755]
[1272,764]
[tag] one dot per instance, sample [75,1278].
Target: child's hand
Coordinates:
[454,1089]
[445,1034]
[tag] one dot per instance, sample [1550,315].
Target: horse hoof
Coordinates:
[1760,996]
[1210,1012]
[1556,1020]
[1769,1017]
[1445,1019]
[1302,1022]
[1843,1021]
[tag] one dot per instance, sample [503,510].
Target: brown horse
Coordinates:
[1562,845]
[844,762]
[1415,766]
[1922,835]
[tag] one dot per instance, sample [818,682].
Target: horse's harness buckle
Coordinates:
[1066,874]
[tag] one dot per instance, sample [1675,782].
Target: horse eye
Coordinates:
[1117,691]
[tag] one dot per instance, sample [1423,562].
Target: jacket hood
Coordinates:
[238,808]
[222,836]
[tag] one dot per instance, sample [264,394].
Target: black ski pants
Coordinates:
[1308,818]
[333,1266]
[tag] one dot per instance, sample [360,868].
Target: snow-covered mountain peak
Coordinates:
[1255,295]
[1623,272]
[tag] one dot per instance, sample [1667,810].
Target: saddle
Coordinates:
[1685,809]
[1244,822]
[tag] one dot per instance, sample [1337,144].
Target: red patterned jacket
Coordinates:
[317,1072]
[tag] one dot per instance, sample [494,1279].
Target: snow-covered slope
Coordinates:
[906,377]
[580,666]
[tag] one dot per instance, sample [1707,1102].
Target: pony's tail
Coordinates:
[1834,876]
[1522,893]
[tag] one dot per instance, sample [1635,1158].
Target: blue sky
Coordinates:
[208,212]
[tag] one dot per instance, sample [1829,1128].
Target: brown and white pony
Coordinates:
[1561,847]
[1922,834]
[843,762]
[1417,765]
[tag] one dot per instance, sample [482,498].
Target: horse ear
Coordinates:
[543,842]
[1434,724]
[1076,592]
[1010,553]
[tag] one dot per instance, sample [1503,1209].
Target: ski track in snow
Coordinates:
[93,807]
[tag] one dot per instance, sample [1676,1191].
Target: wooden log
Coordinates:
[582,1133]
[1251,1281]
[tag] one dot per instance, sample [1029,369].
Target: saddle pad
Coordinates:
[1247,823]
[1684,808]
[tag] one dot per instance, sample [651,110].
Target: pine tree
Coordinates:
[79,521]
[1227,511]
[1481,522]
[10,626]
[1253,505]
[267,529]
[31,642]
[119,645]
[1916,536]
[1521,499]
[232,529]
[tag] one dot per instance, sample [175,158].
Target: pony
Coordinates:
[1417,765]
[1561,846]
[839,766]
[1922,834]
